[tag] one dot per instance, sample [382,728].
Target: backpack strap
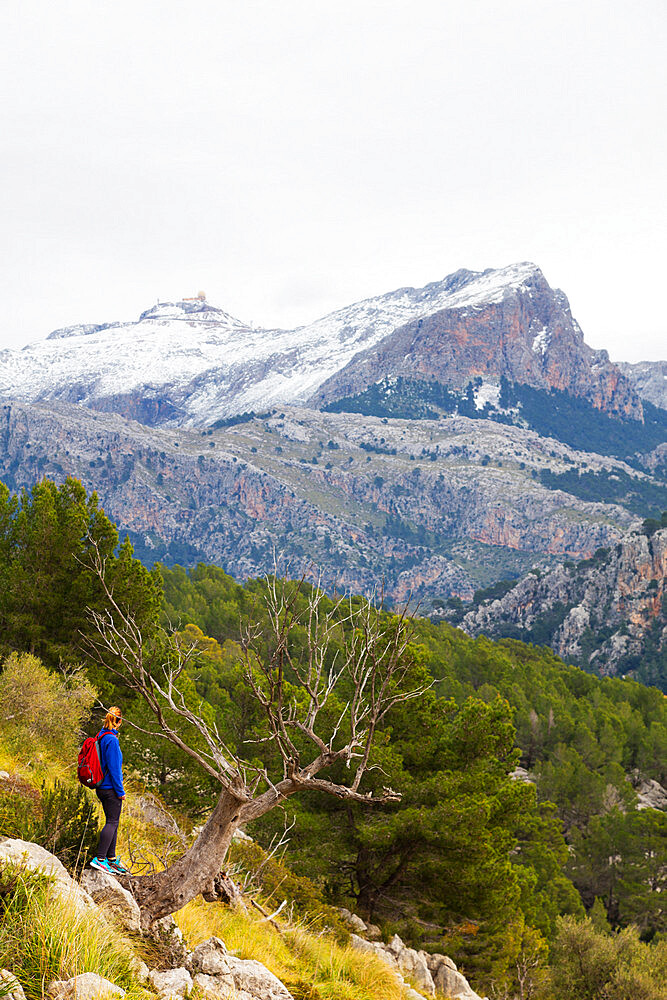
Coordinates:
[99,744]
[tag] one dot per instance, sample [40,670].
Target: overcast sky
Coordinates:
[292,156]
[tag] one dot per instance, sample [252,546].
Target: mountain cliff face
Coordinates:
[431,508]
[522,330]
[608,612]
[189,363]
[648,379]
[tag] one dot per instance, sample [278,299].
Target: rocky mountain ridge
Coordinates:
[608,612]
[649,380]
[431,507]
[188,363]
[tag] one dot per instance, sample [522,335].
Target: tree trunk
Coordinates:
[195,872]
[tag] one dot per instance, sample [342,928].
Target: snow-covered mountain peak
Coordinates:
[196,310]
[196,363]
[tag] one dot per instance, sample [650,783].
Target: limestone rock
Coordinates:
[105,889]
[453,984]
[412,965]
[88,986]
[140,970]
[10,987]
[254,978]
[171,984]
[354,922]
[210,958]
[627,581]
[373,932]
[214,986]
[36,858]
[650,793]
[216,970]
[168,936]
[374,948]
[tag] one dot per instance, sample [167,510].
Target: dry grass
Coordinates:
[42,939]
[296,956]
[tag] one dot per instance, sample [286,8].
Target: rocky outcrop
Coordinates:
[524,332]
[622,589]
[87,986]
[217,971]
[35,858]
[650,793]
[648,379]
[428,972]
[106,891]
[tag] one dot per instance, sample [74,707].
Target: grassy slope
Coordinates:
[41,940]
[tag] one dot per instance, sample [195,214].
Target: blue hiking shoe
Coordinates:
[117,866]
[102,865]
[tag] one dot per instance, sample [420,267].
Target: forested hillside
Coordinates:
[520,776]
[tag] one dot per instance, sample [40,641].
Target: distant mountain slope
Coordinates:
[649,380]
[429,508]
[189,363]
[521,330]
[608,612]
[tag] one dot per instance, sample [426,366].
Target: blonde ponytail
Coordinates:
[113,718]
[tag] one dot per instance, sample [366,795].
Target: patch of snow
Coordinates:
[541,341]
[488,392]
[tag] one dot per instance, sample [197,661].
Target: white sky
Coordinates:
[293,156]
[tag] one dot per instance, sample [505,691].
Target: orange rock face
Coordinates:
[529,336]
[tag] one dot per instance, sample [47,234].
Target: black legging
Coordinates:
[112,805]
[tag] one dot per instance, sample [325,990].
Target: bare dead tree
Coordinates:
[349,655]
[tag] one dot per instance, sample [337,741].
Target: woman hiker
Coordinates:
[110,793]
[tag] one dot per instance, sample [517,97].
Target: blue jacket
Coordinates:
[112,761]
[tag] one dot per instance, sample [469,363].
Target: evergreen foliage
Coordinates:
[470,853]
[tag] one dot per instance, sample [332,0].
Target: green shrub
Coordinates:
[41,713]
[42,939]
[69,827]
[589,964]
[61,818]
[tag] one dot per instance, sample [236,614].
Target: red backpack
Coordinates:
[89,772]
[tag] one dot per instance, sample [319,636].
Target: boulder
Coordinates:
[436,960]
[213,986]
[453,984]
[412,965]
[10,987]
[373,948]
[217,971]
[373,932]
[171,984]
[210,958]
[352,921]
[254,978]
[88,986]
[140,970]
[35,858]
[396,946]
[105,890]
